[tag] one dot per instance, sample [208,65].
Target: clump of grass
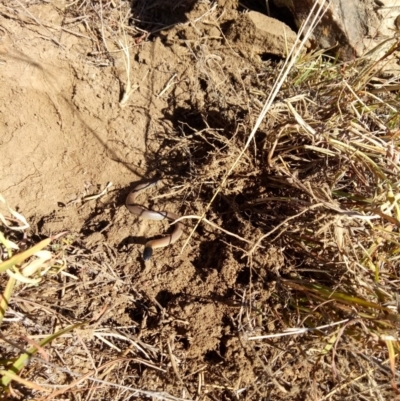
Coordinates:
[335,165]
[324,186]
[26,267]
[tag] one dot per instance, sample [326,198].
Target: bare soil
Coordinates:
[174,321]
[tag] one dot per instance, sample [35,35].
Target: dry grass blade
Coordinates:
[6,296]
[19,217]
[297,330]
[199,218]
[327,293]
[11,376]
[100,194]
[22,256]
[392,360]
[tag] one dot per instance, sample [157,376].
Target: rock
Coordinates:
[255,34]
[343,27]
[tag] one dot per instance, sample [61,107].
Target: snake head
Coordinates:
[147,253]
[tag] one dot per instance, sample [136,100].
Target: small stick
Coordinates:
[169,84]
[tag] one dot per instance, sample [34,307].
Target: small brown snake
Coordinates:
[145,213]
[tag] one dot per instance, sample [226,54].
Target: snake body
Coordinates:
[145,213]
